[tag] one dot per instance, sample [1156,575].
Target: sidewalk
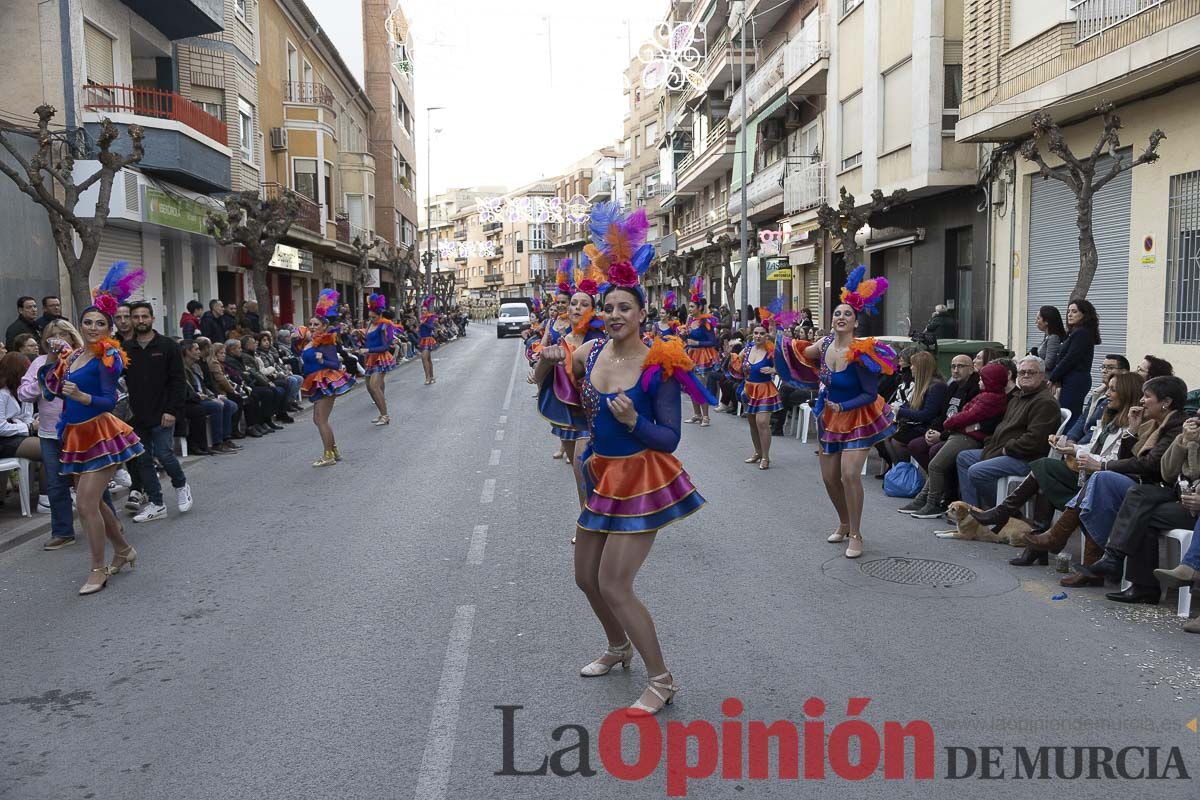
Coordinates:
[16,530]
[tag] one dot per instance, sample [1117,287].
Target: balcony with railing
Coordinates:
[308,93]
[722,55]
[806,61]
[600,188]
[310,212]
[183,143]
[765,188]
[702,165]
[804,188]
[760,88]
[1095,16]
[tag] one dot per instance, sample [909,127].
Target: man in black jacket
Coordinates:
[157,392]
[210,322]
[24,323]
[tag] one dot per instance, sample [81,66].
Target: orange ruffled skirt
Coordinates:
[380,362]
[639,493]
[856,429]
[326,383]
[427,344]
[706,359]
[96,444]
[760,397]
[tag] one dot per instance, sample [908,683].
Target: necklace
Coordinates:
[621,359]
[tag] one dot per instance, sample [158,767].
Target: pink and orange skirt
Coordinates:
[326,383]
[97,444]
[427,344]
[639,493]
[760,398]
[380,363]
[706,359]
[856,429]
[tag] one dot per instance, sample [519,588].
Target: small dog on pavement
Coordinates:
[1013,532]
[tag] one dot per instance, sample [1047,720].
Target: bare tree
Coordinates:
[723,257]
[49,180]
[844,222]
[1080,176]
[257,224]
[363,247]
[401,263]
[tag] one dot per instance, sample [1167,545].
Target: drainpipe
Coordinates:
[68,68]
[1012,257]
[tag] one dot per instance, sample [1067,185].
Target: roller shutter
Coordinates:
[98,49]
[118,244]
[1054,257]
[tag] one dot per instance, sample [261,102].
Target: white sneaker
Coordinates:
[122,478]
[150,513]
[134,501]
[184,497]
[43,506]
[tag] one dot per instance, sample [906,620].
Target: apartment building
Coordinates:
[387,49]
[1064,57]
[437,229]
[507,248]
[315,118]
[119,59]
[596,178]
[894,77]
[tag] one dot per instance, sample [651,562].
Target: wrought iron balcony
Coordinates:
[804,188]
[313,94]
[146,102]
[310,212]
[1095,16]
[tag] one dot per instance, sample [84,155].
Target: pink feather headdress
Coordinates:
[326,304]
[697,289]
[119,284]
[377,302]
[862,293]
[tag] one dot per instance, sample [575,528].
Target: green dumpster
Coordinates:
[949,348]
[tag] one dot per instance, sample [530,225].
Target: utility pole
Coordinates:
[745,229]
[429,198]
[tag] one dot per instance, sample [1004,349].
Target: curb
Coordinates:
[30,528]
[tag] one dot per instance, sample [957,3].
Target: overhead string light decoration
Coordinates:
[396,26]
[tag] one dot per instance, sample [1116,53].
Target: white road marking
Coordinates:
[489,491]
[503,420]
[494,461]
[500,436]
[478,543]
[434,776]
[512,379]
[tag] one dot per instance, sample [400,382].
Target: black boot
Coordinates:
[1011,506]
[1029,557]
[1137,594]
[1109,566]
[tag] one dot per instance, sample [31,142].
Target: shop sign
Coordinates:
[781,274]
[770,242]
[286,257]
[372,279]
[174,212]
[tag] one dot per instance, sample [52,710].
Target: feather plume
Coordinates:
[669,301]
[121,281]
[604,216]
[775,306]
[855,276]
[634,227]
[326,303]
[643,257]
[428,302]
[787,319]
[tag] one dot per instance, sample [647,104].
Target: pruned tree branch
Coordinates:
[257,224]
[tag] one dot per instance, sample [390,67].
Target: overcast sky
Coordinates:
[529,86]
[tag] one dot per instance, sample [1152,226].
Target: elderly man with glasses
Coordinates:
[1023,436]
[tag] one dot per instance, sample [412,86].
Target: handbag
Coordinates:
[903,480]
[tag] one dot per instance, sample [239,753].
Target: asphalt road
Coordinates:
[349,632]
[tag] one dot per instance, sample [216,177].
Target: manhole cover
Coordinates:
[918,572]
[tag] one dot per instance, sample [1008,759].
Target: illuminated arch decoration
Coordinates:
[450,250]
[526,209]
[673,58]
[396,26]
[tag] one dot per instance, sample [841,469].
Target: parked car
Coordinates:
[514,318]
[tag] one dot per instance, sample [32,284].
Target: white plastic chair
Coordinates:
[803,413]
[1183,607]
[1009,482]
[21,465]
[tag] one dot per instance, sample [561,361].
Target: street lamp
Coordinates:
[428,257]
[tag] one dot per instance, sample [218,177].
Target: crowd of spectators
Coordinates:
[224,380]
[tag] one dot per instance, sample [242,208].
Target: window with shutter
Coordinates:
[98,49]
[852,131]
[897,107]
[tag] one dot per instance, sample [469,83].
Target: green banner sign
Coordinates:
[174,212]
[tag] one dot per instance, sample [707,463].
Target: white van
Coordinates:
[514,318]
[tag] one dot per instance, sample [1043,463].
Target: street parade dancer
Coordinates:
[758,393]
[851,416]
[426,342]
[381,334]
[324,378]
[558,390]
[666,325]
[94,442]
[702,343]
[635,486]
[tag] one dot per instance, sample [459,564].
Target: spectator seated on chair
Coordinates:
[1093,404]
[966,431]
[18,428]
[258,400]
[1023,436]
[257,375]
[205,411]
[963,386]
[920,412]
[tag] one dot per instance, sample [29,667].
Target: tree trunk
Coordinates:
[1088,258]
[262,295]
[81,293]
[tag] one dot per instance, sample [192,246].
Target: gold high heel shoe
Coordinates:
[837,536]
[384,419]
[326,460]
[658,685]
[624,654]
[764,464]
[91,588]
[754,459]
[121,559]
[337,454]
[855,548]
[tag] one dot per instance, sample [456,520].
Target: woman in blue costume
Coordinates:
[427,342]
[757,392]
[381,334]
[635,486]
[94,442]
[851,416]
[703,346]
[559,401]
[667,324]
[566,427]
[324,378]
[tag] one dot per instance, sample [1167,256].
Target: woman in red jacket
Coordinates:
[965,430]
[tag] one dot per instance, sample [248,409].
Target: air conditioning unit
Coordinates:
[792,121]
[279,139]
[771,130]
